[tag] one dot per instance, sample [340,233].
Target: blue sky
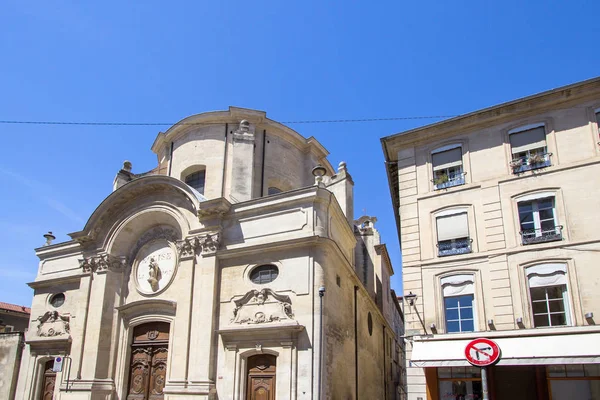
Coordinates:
[156,61]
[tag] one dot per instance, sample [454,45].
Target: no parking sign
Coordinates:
[482,352]
[57,367]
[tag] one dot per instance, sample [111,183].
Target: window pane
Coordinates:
[452,314]
[452,327]
[444,372]
[466,313]
[264,274]
[451,302]
[545,204]
[558,319]
[459,372]
[525,207]
[555,292]
[574,370]
[473,372]
[539,307]
[556,371]
[540,320]
[538,293]
[467,326]
[592,369]
[546,214]
[557,305]
[465,301]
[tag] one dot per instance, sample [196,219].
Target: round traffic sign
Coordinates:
[482,352]
[58,359]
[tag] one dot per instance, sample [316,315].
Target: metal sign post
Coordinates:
[484,385]
[482,353]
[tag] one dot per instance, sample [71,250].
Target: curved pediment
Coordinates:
[141,188]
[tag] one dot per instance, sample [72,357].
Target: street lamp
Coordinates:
[411,298]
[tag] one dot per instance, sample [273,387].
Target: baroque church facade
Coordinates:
[233,270]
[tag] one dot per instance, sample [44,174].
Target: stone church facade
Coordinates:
[201,278]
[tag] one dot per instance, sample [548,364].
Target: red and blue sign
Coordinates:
[482,352]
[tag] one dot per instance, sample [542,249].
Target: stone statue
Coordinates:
[154,274]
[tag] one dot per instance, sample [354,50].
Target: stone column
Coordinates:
[243,163]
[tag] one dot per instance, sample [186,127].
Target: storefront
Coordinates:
[553,365]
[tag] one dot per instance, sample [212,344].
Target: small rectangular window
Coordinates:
[447,168]
[459,313]
[529,150]
[453,234]
[196,180]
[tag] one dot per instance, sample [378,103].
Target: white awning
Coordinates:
[447,159]
[578,348]
[528,140]
[452,226]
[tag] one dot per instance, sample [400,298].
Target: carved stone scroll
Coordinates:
[102,262]
[262,306]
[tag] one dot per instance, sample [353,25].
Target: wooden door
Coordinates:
[148,368]
[261,377]
[49,381]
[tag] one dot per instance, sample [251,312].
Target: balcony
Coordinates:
[530,162]
[531,236]
[449,180]
[454,247]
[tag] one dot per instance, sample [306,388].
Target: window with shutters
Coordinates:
[597,111]
[447,167]
[549,295]
[528,148]
[459,292]
[453,233]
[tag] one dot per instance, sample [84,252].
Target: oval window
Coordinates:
[57,300]
[264,274]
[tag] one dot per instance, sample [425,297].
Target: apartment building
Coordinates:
[498,213]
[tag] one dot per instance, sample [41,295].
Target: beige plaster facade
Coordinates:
[211,290]
[500,206]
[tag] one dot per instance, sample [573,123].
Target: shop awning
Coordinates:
[519,349]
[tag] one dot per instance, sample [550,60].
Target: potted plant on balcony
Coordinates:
[440,179]
[516,163]
[535,158]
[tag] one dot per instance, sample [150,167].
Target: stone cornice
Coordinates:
[563,97]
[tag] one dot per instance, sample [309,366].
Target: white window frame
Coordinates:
[465,283]
[537,223]
[549,271]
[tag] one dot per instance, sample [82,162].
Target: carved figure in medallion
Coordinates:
[154,274]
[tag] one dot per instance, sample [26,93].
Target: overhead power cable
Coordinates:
[323,121]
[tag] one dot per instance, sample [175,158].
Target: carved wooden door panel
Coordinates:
[49,381]
[261,377]
[262,388]
[148,368]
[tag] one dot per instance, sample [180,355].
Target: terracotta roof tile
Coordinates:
[15,308]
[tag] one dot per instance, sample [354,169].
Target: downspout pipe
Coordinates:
[385,388]
[262,176]
[224,161]
[356,342]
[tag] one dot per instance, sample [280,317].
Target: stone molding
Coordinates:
[102,263]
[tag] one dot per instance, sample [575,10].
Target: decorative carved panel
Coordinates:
[52,323]
[262,306]
[155,266]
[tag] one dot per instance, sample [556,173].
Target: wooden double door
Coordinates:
[148,367]
[49,381]
[261,377]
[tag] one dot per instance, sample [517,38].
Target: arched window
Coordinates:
[264,274]
[273,190]
[196,180]
[459,293]
[549,296]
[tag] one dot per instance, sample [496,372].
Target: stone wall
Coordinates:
[11,348]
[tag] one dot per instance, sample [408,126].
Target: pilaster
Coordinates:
[243,162]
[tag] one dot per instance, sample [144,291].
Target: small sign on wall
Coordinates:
[57,367]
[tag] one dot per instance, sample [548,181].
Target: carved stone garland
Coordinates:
[206,244]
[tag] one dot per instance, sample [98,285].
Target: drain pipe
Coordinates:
[356,341]
[321,294]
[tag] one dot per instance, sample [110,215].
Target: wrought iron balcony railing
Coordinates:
[457,246]
[530,236]
[446,181]
[527,163]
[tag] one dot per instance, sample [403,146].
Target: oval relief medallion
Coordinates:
[155,267]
